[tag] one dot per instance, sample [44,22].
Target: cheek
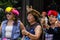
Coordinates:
[54,19]
[9,16]
[42,14]
[30,19]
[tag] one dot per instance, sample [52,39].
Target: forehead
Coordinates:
[52,16]
[30,14]
[43,12]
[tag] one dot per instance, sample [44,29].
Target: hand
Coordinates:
[29,8]
[24,32]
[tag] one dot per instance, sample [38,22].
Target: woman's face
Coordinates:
[30,18]
[52,19]
[9,16]
[43,13]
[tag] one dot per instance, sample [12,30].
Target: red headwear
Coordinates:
[52,12]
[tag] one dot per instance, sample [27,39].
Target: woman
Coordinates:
[11,27]
[54,28]
[35,30]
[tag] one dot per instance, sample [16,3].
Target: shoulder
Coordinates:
[37,24]
[38,27]
[4,21]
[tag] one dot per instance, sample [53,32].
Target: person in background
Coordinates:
[35,31]
[51,30]
[44,15]
[11,27]
[43,25]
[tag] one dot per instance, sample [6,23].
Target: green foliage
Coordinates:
[4,4]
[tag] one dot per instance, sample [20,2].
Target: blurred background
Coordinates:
[40,5]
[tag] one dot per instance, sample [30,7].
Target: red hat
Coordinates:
[52,12]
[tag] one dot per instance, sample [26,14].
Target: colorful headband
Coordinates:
[12,10]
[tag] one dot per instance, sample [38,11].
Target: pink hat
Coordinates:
[14,11]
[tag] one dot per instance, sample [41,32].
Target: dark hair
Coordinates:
[43,11]
[36,15]
[16,20]
[36,19]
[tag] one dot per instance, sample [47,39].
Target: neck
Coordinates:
[32,23]
[10,20]
[53,25]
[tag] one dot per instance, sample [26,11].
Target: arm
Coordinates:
[0,28]
[29,8]
[38,31]
[22,26]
